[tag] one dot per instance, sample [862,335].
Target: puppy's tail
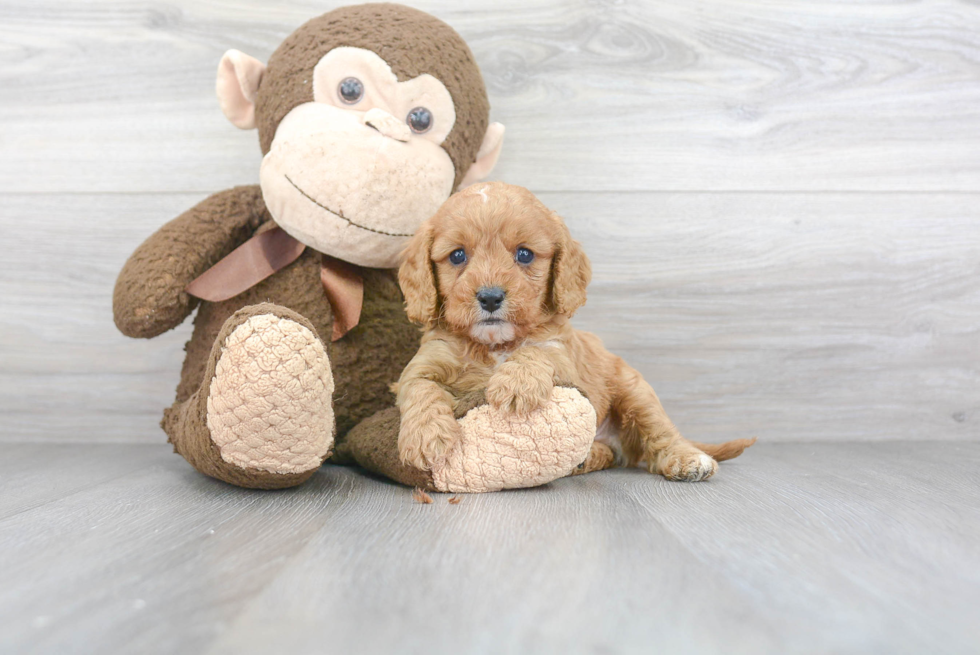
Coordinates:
[728,450]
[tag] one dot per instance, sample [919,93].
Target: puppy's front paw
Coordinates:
[519,390]
[423,443]
[687,465]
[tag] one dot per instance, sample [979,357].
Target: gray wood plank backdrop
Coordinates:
[780,198]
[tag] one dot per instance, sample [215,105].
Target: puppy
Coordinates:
[494,277]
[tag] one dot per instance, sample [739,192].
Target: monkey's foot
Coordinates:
[263,417]
[499,450]
[270,404]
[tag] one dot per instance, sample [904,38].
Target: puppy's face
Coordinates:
[493,264]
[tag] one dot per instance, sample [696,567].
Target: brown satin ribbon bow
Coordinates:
[271,251]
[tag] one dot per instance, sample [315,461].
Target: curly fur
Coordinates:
[519,352]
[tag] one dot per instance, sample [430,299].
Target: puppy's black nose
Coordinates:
[490,298]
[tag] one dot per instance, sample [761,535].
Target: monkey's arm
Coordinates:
[149,297]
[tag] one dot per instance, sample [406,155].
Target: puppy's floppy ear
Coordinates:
[570,273]
[417,280]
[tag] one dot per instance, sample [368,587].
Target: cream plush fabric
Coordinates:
[271,390]
[502,451]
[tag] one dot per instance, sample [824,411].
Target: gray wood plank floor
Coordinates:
[793,548]
[781,203]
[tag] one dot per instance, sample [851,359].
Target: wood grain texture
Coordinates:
[150,557]
[890,531]
[780,200]
[115,95]
[67,469]
[786,316]
[792,548]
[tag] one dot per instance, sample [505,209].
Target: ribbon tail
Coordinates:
[344,287]
[247,265]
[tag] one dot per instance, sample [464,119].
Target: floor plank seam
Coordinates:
[77,491]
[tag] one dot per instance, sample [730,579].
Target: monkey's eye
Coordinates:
[419,119]
[457,257]
[350,90]
[524,256]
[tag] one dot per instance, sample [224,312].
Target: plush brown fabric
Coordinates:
[186,422]
[149,297]
[367,360]
[374,445]
[411,41]
[467,402]
[149,300]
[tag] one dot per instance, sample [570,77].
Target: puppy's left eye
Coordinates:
[524,256]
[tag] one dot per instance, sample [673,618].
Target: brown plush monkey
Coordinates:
[369,117]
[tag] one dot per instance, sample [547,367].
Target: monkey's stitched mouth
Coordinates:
[340,215]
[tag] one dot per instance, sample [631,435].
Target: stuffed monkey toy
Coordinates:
[368,117]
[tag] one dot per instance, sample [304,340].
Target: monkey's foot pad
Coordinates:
[270,404]
[499,450]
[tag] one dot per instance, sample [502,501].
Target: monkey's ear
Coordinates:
[487,156]
[238,82]
[570,275]
[416,279]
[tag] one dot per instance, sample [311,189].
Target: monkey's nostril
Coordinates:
[490,298]
[387,124]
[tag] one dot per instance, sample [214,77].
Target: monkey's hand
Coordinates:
[149,297]
[521,386]
[426,436]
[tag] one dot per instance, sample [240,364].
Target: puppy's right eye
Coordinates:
[457,257]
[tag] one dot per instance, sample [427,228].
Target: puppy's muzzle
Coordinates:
[490,298]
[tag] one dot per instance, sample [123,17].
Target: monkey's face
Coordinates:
[355,172]
[370,116]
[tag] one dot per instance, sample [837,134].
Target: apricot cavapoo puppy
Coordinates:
[494,277]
